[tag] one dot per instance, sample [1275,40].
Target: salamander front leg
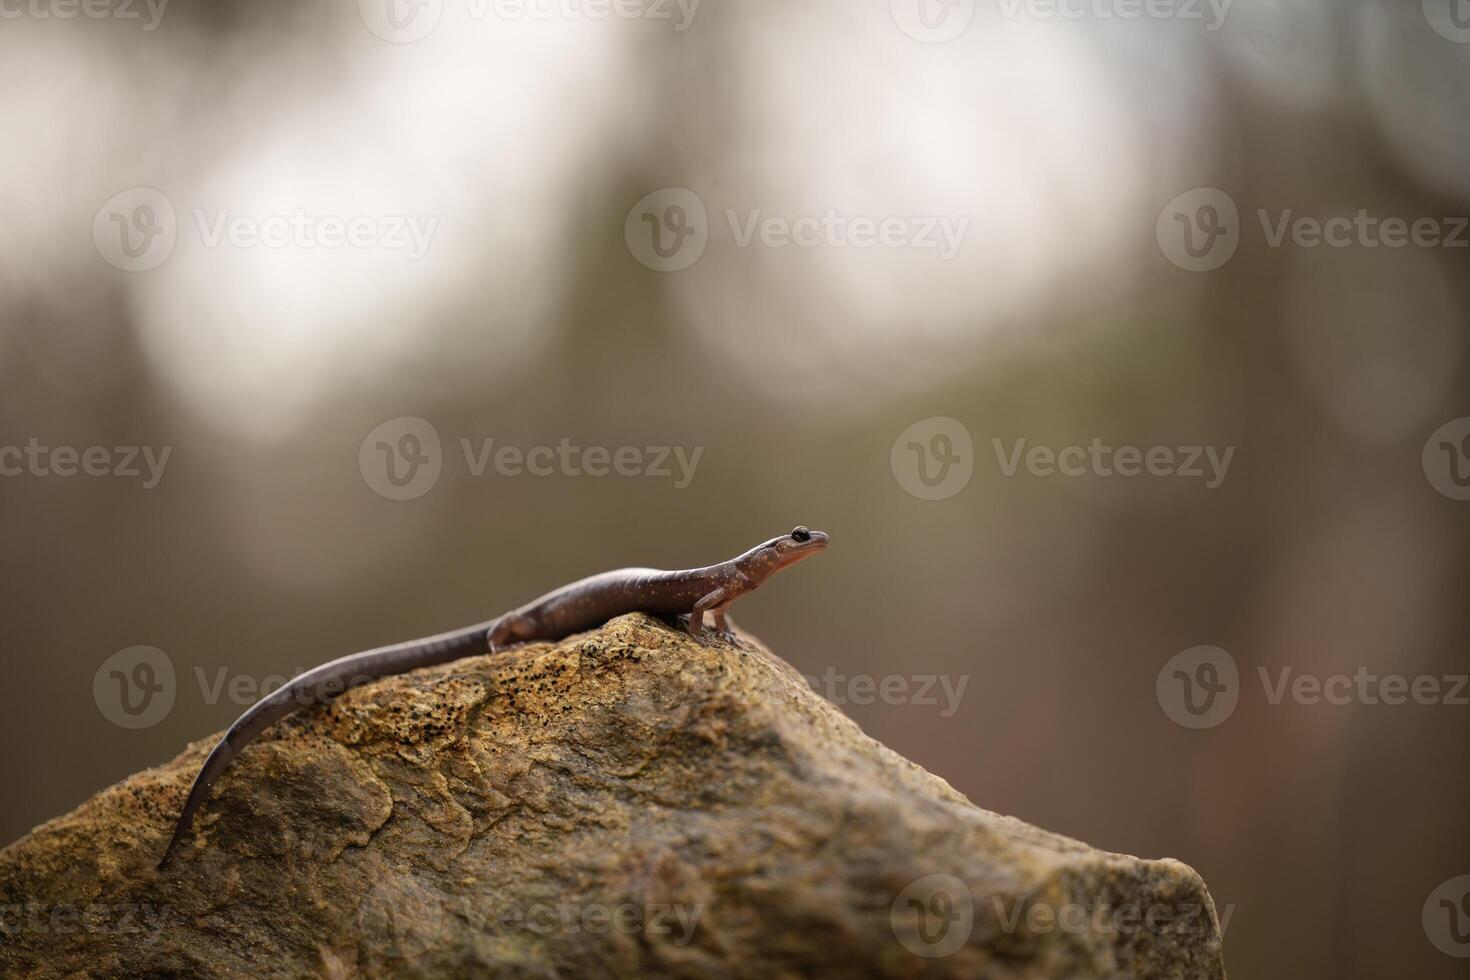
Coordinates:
[712,604]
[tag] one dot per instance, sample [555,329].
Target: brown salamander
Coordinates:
[574,608]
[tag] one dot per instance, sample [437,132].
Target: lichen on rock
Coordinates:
[624,803]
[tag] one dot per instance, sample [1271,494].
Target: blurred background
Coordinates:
[290,268]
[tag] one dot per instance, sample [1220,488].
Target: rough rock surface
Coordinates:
[626,803]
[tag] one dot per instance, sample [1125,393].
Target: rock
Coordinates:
[626,803]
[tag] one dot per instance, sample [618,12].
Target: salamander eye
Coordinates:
[800,533]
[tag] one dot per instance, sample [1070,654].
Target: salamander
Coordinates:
[574,608]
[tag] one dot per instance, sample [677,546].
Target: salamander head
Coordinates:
[769,557]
